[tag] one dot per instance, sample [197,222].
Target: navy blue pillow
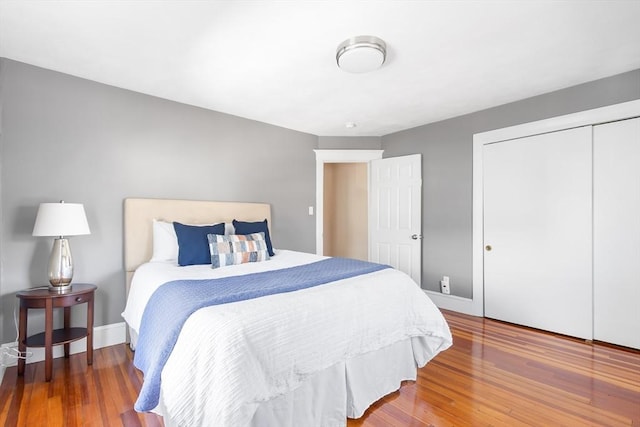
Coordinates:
[254,227]
[193,244]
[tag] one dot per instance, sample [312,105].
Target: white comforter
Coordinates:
[231,357]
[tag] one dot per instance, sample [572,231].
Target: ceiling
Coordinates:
[274,61]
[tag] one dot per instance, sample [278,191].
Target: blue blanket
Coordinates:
[172,303]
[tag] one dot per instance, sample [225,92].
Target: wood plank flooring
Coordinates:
[496,374]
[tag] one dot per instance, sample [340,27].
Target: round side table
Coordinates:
[42,298]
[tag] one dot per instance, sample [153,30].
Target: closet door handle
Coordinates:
[416,236]
[488,248]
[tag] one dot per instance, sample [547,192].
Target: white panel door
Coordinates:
[395,214]
[537,231]
[616,232]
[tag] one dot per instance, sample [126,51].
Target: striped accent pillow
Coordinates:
[237,249]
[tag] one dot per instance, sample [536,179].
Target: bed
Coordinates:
[312,356]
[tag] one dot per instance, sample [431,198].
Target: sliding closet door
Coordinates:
[616,232]
[537,231]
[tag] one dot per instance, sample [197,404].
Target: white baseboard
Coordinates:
[103,336]
[453,303]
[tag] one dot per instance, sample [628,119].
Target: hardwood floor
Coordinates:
[78,395]
[495,374]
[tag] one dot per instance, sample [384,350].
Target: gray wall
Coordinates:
[67,138]
[62,137]
[349,142]
[1,217]
[446,149]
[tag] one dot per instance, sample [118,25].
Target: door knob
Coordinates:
[416,236]
[488,248]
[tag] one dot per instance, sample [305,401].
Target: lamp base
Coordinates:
[58,289]
[60,266]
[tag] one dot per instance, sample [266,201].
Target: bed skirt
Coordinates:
[343,390]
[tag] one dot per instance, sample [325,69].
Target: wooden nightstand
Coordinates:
[42,298]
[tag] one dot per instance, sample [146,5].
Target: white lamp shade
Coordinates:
[61,219]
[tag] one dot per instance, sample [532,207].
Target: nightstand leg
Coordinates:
[48,339]
[67,325]
[90,330]
[22,336]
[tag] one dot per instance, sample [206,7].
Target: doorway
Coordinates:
[326,157]
[346,210]
[389,220]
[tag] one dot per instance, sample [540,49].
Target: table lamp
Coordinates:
[60,220]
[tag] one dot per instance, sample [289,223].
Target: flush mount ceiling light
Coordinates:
[361,54]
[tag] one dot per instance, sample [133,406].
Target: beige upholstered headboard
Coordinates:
[140,213]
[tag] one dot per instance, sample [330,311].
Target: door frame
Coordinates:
[335,156]
[600,115]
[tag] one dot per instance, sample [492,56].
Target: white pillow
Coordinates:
[165,242]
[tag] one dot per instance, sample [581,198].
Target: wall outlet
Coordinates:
[444,285]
